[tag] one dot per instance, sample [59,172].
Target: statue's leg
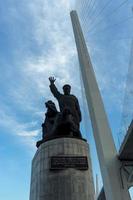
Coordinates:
[55,128]
[75,128]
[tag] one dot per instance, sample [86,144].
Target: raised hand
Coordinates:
[52,79]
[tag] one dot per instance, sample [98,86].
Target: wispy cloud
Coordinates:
[42,45]
[27,131]
[45,48]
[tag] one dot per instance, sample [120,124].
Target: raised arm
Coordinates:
[53,88]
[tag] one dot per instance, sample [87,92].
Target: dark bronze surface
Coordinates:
[65,123]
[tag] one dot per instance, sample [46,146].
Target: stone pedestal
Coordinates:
[63,184]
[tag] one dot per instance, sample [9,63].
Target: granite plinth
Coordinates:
[66,184]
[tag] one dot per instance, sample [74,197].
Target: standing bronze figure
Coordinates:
[69,106]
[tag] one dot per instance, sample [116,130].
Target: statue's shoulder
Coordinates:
[73,96]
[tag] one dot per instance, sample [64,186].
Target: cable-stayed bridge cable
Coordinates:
[92,9]
[116,24]
[86,6]
[103,8]
[110,14]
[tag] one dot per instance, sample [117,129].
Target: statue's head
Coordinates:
[66,89]
[50,105]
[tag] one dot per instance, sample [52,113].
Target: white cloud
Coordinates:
[30,134]
[27,131]
[52,33]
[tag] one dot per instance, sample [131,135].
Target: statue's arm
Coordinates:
[54,91]
[78,110]
[53,88]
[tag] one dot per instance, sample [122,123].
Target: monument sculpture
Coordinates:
[66,122]
[61,167]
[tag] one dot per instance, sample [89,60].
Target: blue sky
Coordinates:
[36,41]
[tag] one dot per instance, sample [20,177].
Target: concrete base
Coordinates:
[66,184]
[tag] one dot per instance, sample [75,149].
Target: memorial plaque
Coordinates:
[63,162]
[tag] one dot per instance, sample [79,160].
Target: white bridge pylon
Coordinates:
[106,150]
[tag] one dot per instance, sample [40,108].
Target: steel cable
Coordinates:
[116,9]
[103,8]
[116,24]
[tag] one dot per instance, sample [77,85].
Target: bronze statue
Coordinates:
[65,123]
[67,103]
[49,122]
[66,100]
[51,115]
